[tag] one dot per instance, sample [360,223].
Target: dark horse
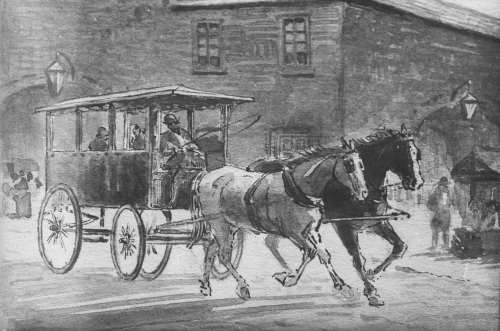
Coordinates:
[387,150]
[284,203]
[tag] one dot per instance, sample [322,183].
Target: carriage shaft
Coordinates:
[92,232]
[182,238]
[369,218]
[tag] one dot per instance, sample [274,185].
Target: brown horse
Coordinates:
[282,203]
[387,150]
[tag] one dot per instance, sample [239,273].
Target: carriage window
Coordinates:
[95,131]
[207,47]
[64,132]
[131,131]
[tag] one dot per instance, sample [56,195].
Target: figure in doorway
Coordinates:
[440,203]
[490,220]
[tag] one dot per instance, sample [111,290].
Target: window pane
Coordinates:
[300,24]
[64,130]
[215,61]
[302,58]
[202,42]
[214,28]
[202,29]
[214,51]
[289,48]
[202,51]
[95,130]
[289,58]
[300,37]
[289,37]
[288,25]
[202,60]
[301,47]
[137,132]
[214,41]
[121,139]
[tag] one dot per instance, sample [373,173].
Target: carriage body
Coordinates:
[127,171]
[122,174]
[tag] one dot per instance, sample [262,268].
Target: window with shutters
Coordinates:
[295,45]
[208,50]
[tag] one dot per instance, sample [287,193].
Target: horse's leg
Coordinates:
[272,241]
[350,240]
[325,258]
[224,236]
[210,248]
[386,231]
[291,278]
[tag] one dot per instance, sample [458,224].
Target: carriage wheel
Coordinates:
[219,271]
[60,229]
[156,257]
[128,242]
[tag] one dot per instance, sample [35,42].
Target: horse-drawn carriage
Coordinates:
[130,177]
[315,186]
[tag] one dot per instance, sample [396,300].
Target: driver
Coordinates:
[175,139]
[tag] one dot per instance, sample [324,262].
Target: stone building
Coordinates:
[318,70]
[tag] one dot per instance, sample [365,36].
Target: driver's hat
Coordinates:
[170,119]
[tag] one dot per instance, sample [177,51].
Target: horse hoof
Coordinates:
[205,289]
[286,279]
[375,302]
[243,292]
[370,274]
[347,294]
[280,277]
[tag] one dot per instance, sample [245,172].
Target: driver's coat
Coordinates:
[222,193]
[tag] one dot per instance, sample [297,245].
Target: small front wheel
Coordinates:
[128,242]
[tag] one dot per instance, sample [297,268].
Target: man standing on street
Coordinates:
[440,202]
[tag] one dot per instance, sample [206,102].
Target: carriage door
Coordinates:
[130,156]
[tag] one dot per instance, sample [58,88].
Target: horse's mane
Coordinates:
[295,158]
[381,136]
[299,157]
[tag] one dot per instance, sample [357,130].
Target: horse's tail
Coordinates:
[195,208]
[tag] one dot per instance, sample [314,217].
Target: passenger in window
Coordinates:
[139,138]
[100,142]
[175,139]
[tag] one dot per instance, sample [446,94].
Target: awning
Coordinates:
[473,168]
[176,94]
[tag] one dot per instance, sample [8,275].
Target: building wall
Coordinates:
[397,64]
[119,45]
[402,69]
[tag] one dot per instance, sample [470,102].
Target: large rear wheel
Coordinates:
[128,242]
[60,229]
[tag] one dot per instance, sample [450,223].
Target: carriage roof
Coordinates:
[175,94]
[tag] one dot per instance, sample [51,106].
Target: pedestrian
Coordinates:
[6,195]
[491,219]
[440,203]
[21,195]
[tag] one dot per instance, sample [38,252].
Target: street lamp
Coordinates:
[468,104]
[56,75]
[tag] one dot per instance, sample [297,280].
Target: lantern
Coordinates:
[468,104]
[56,75]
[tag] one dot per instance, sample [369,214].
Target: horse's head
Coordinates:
[406,160]
[349,171]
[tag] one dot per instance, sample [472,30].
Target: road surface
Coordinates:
[422,291]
